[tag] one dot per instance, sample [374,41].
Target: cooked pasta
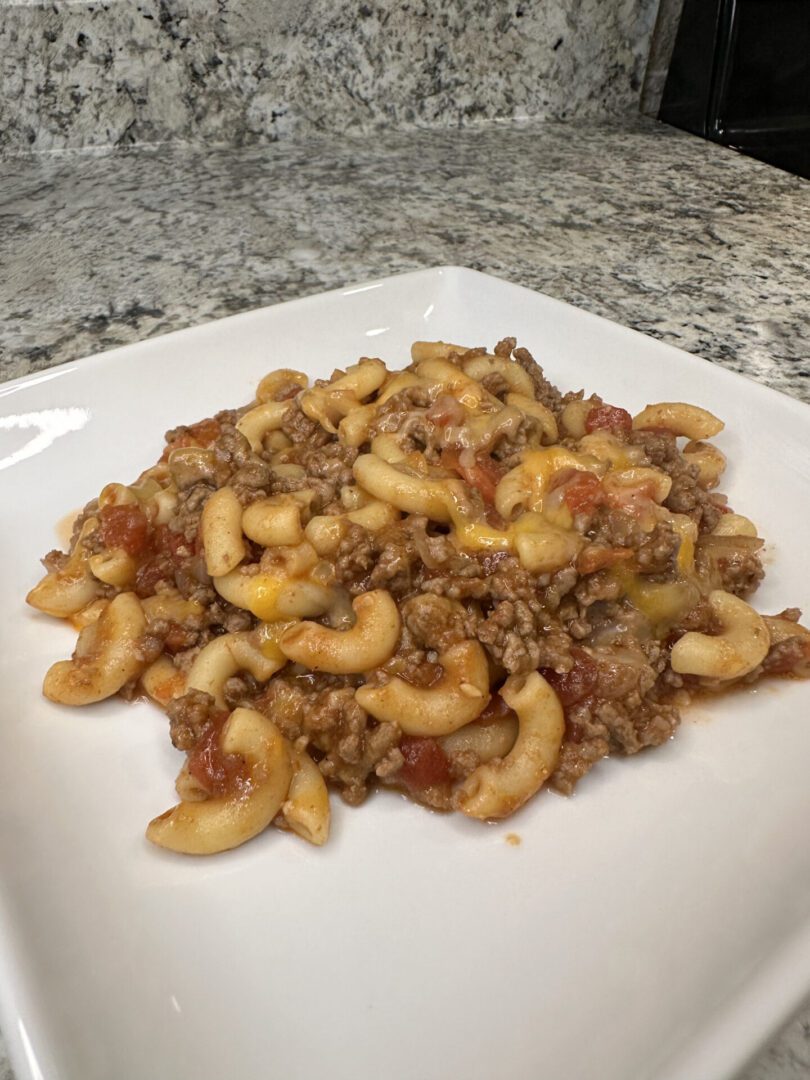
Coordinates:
[453,580]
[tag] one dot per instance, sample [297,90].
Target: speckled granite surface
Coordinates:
[681,239]
[643,224]
[85,73]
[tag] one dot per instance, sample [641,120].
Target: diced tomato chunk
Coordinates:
[125,527]
[583,493]
[177,444]
[216,772]
[608,418]
[203,433]
[484,474]
[149,573]
[175,545]
[426,764]
[578,683]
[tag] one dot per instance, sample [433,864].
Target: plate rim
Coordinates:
[9,386]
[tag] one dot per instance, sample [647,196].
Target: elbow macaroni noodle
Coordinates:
[458,698]
[438,580]
[496,789]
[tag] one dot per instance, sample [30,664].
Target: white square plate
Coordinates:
[656,925]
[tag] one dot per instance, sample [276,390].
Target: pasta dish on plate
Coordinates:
[452,580]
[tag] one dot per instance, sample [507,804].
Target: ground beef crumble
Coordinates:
[686,495]
[189,716]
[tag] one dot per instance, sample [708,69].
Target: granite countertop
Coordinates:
[648,226]
[655,229]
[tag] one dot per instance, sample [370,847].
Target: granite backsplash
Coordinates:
[241,72]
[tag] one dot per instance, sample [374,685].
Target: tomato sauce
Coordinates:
[167,551]
[609,418]
[484,474]
[583,493]
[203,433]
[496,709]
[216,772]
[575,685]
[125,527]
[149,573]
[175,545]
[426,764]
